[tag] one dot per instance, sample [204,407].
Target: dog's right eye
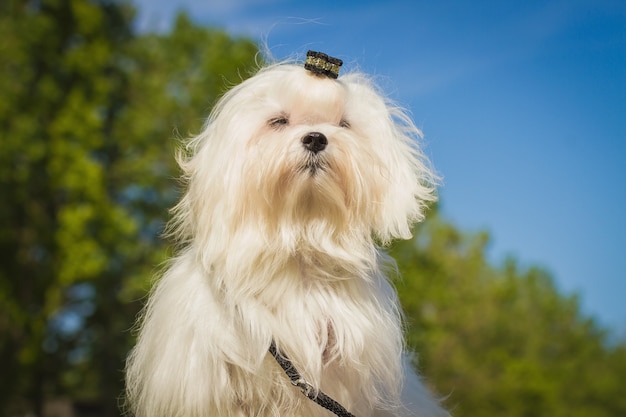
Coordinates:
[278,122]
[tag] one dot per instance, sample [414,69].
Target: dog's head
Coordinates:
[297,155]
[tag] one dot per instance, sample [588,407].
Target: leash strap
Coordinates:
[307,389]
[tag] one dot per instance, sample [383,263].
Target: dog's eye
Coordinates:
[278,122]
[344,123]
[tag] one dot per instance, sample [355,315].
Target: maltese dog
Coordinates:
[277,303]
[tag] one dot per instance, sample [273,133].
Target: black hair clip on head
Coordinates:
[322,64]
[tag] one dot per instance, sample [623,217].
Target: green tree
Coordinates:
[60,89]
[502,340]
[87,122]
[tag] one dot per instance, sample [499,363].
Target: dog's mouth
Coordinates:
[313,165]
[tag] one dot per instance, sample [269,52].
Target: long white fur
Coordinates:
[274,250]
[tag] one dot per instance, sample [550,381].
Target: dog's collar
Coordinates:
[307,389]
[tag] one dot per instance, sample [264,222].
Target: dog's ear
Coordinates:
[404,182]
[409,182]
[409,185]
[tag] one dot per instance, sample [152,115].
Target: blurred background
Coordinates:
[514,285]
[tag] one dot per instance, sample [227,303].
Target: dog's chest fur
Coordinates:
[342,335]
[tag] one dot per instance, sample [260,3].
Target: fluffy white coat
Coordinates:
[283,243]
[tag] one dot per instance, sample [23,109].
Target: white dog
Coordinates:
[295,182]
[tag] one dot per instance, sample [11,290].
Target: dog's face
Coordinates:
[313,156]
[298,154]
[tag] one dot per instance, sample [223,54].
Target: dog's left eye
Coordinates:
[278,122]
[344,123]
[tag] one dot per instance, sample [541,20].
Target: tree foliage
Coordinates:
[502,340]
[89,122]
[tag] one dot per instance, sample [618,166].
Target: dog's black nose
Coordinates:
[315,141]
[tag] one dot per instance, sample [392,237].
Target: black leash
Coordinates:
[307,389]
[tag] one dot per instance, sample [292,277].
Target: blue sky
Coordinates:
[523,106]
